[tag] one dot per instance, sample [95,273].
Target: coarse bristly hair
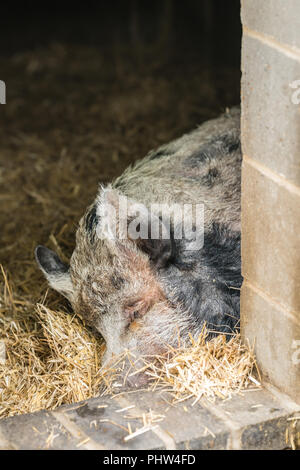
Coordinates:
[139,293]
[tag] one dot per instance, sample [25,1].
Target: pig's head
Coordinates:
[113,277]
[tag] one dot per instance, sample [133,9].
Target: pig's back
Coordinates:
[203,166]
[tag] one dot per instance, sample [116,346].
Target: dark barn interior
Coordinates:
[90,89]
[94,87]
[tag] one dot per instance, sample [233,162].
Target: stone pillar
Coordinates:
[270,297]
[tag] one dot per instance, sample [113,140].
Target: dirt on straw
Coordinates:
[77,116]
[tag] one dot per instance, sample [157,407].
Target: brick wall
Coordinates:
[270,300]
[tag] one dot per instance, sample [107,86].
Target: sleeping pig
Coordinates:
[158,252]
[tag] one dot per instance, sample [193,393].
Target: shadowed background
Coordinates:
[90,89]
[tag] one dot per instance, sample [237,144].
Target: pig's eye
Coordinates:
[134,310]
[131,314]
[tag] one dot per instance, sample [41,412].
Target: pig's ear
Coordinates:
[151,235]
[121,218]
[55,271]
[159,249]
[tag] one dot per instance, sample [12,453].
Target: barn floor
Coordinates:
[77,115]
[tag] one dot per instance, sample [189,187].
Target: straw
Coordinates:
[52,358]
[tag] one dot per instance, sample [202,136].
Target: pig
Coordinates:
[145,293]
